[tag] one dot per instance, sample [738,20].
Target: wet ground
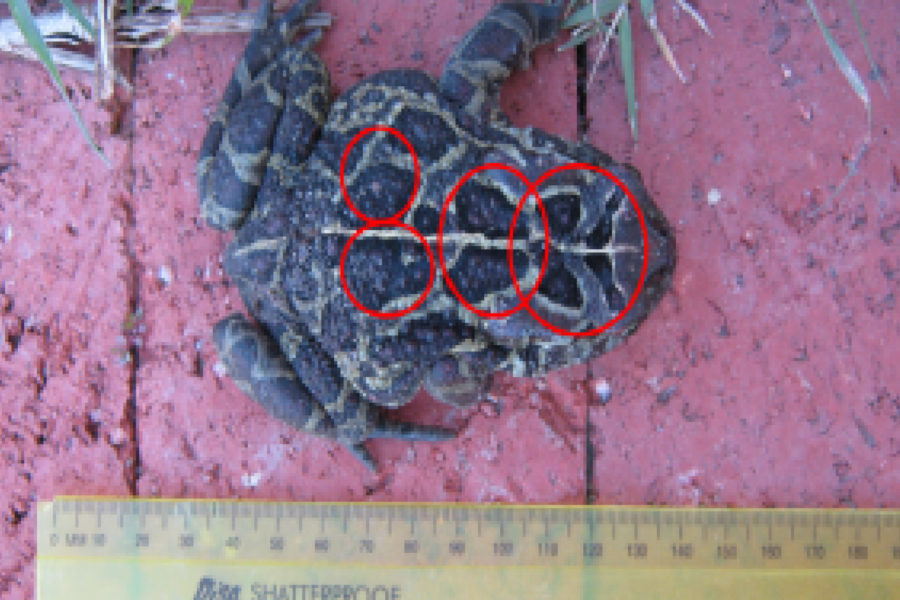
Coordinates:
[767,377]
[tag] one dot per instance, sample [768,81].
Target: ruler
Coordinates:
[101,548]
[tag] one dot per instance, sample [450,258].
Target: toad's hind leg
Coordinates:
[354,419]
[499,43]
[274,105]
[255,363]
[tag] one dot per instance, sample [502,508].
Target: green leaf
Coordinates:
[841,59]
[626,48]
[648,7]
[25,20]
[582,37]
[79,16]
[587,14]
[876,73]
[185,6]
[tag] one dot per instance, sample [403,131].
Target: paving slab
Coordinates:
[64,375]
[766,377]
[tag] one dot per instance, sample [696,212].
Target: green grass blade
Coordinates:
[698,19]
[79,16]
[841,59]
[876,73]
[586,14]
[648,7]
[582,37]
[185,6]
[626,50]
[25,20]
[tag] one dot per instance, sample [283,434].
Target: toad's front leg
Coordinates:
[274,106]
[500,42]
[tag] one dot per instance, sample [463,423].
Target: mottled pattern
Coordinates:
[270,169]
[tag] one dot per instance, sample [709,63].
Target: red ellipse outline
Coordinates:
[532,190]
[440,240]
[387,223]
[416,173]
[645,253]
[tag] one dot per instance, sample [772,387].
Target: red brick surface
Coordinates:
[766,378]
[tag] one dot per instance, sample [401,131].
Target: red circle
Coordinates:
[387,223]
[416,173]
[532,189]
[440,240]
[645,253]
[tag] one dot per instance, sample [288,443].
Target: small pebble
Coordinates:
[602,390]
[117,437]
[165,275]
[219,369]
[251,480]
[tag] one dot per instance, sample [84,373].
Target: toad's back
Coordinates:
[433,173]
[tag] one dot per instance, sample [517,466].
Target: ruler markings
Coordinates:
[787,539]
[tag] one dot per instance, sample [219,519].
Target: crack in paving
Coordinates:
[590,491]
[133,311]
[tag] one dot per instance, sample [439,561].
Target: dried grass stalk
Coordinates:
[152,25]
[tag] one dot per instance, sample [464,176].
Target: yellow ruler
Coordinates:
[101,548]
